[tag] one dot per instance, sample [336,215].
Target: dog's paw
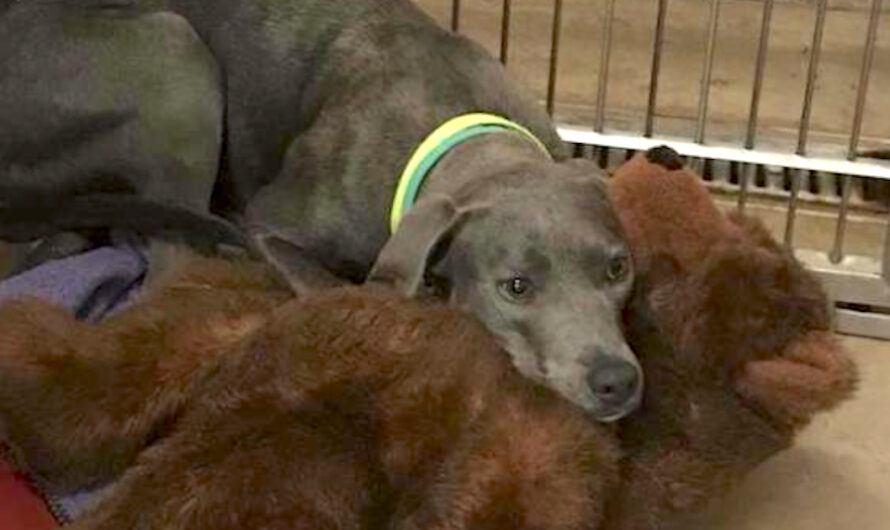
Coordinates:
[813,374]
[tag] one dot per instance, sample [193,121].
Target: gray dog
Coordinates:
[326,121]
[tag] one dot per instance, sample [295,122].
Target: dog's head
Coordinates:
[539,256]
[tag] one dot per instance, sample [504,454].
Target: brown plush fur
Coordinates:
[80,401]
[224,408]
[734,339]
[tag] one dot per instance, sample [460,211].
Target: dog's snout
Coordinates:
[614,382]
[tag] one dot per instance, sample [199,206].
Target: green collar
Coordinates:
[442,140]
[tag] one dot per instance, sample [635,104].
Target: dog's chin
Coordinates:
[606,414]
[611,415]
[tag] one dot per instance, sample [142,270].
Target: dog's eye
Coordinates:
[618,268]
[517,289]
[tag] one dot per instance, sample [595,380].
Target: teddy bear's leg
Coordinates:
[76,402]
[58,404]
[258,465]
[669,478]
[518,468]
[693,439]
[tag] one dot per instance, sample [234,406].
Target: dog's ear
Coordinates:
[303,274]
[420,242]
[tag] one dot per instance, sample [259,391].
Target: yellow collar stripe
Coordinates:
[448,135]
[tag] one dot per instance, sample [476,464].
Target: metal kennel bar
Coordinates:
[554,55]
[455,15]
[805,114]
[707,72]
[748,169]
[657,45]
[837,252]
[505,30]
[812,72]
[760,62]
[754,108]
[605,57]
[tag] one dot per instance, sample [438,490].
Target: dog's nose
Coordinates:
[614,382]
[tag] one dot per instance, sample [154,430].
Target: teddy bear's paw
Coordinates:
[813,374]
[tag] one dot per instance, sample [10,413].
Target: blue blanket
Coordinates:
[90,285]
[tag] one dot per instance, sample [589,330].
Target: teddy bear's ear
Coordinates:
[665,157]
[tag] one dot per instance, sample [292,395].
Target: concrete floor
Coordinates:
[838,474]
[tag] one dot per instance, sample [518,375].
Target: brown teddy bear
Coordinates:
[215,393]
[734,337]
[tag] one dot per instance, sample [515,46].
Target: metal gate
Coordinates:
[806,189]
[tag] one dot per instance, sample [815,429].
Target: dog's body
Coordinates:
[313,108]
[362,78]
[222,406]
